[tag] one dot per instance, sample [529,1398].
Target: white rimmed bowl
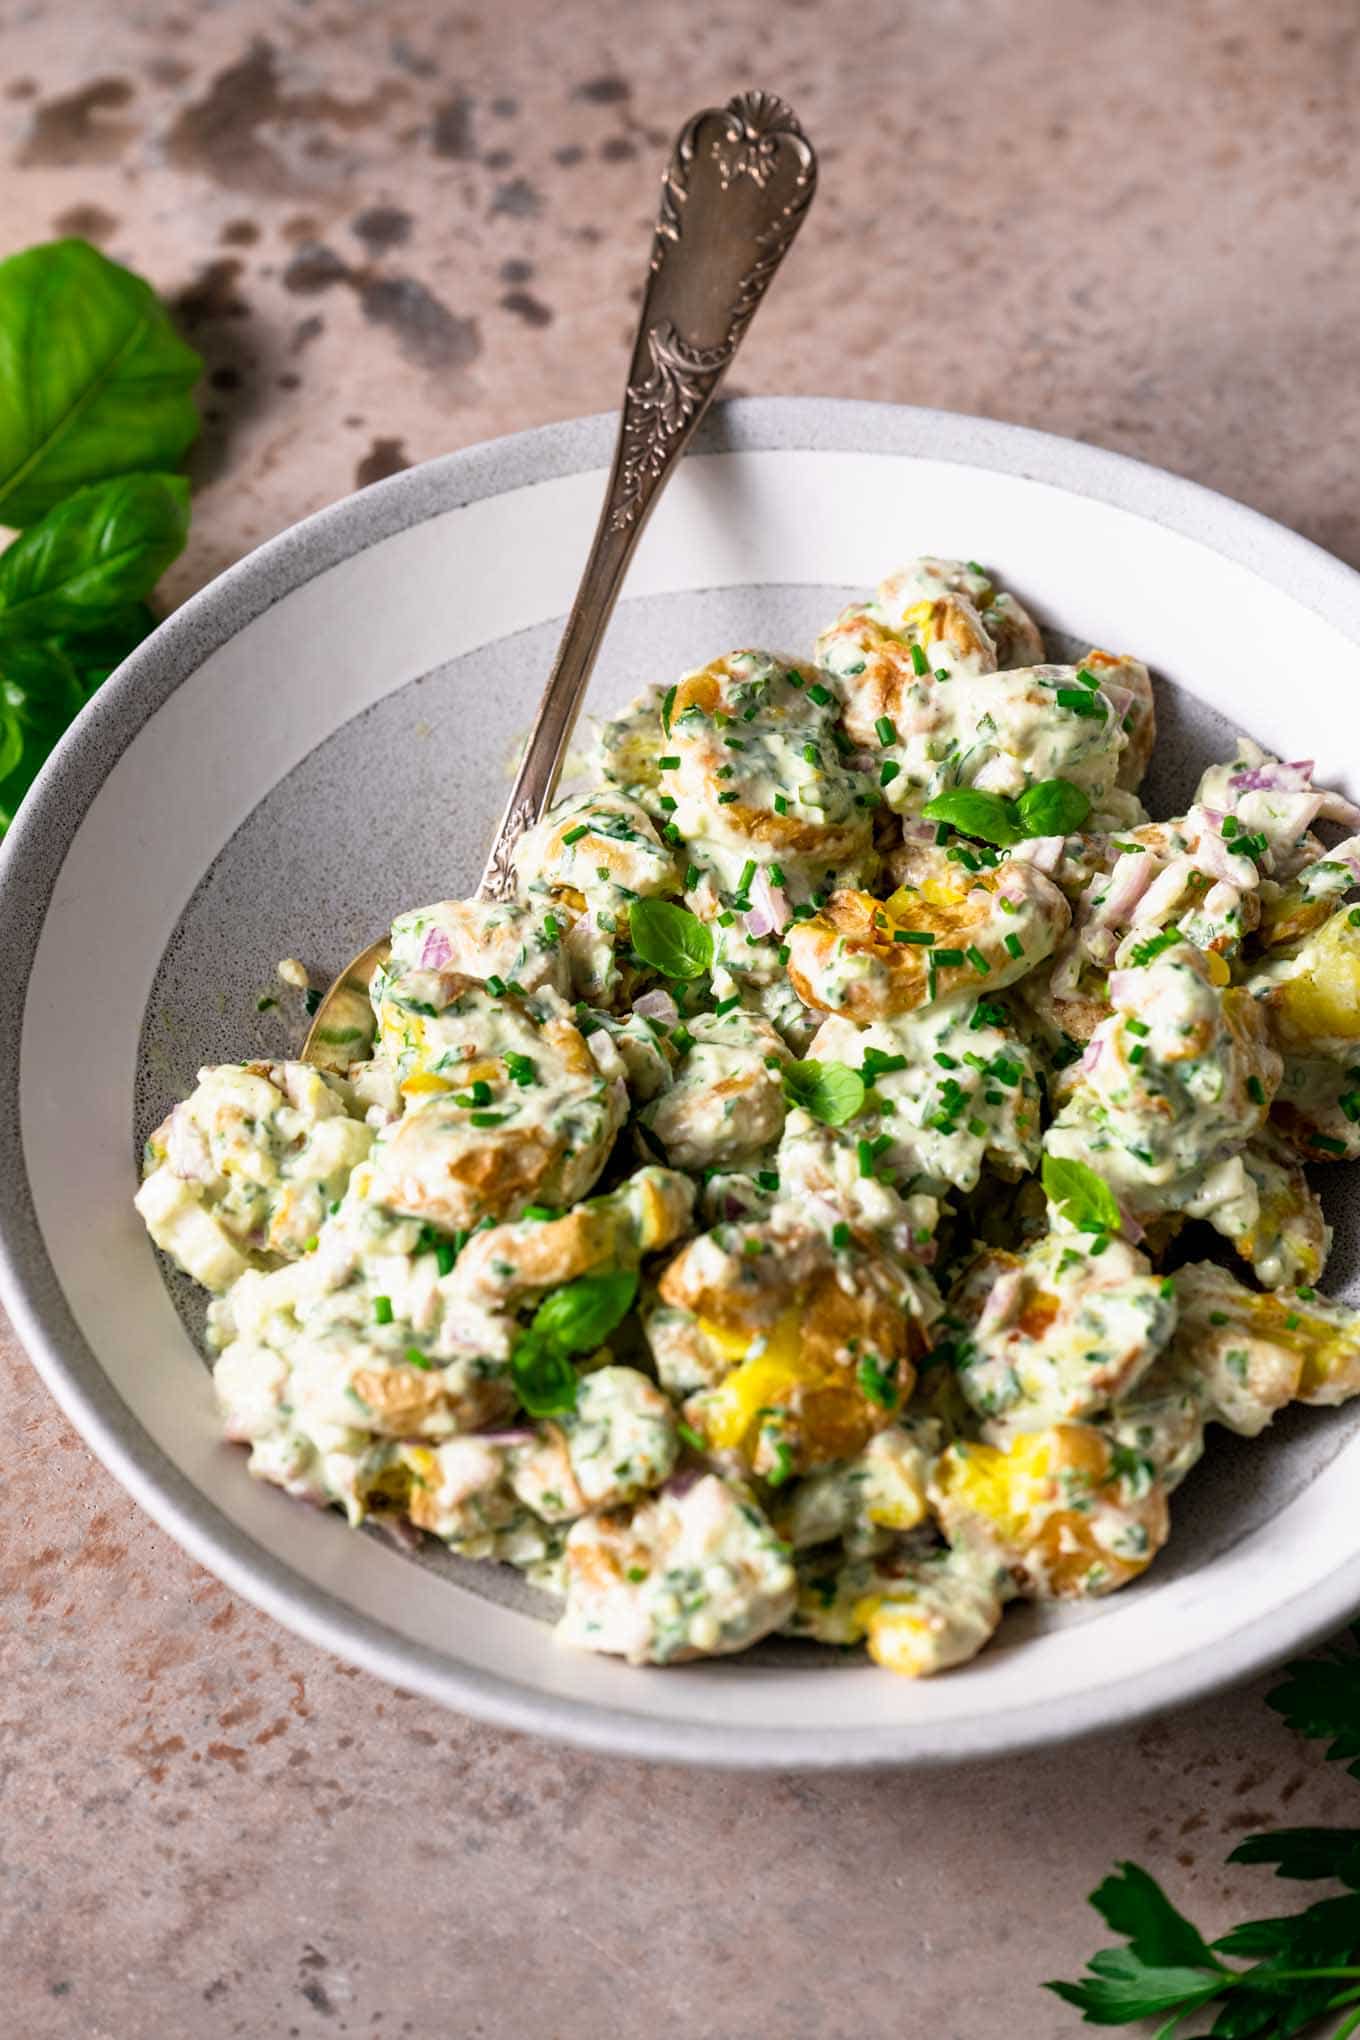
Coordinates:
[319,739]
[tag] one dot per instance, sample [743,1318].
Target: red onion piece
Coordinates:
[1043,853]
[657,1005]
[436,951]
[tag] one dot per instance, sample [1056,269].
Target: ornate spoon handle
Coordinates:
[735,192]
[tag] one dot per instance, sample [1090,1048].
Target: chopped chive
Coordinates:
[921,937]
[885,730]
[920,663]
[690,1438]
[811,755]
[670,763]
[1327,1144]
[819,694]
[667,706]
[781,806]
[496,986]
[1087,679]
[887,772]
[487,1118]
[1136,1054]
[748,872]
[726,1005]
[382,1310]
[417,1359]
[1081,703]
[784,953]
[978,960]
[840,1234]
[947,959]
[1256,1091]
[1014,946]
[864,1152]
[521,1069]
[946,1062]
[726,799]
[1138,1027]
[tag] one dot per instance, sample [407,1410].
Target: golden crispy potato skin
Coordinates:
[1054,1509]
[809,1354]
[988,927]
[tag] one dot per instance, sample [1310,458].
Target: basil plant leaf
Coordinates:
[34,711]
[579,1317]
[44,686]
[990,817]
[1052,807]
[92,556]
[544,1378]
[670,938]
[94,379]
[1085,1199]
[829,1091]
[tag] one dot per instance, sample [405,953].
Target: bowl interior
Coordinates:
[333,745]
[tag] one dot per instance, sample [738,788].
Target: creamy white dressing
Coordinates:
[760,1220]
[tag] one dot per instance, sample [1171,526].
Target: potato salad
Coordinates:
[836,1194]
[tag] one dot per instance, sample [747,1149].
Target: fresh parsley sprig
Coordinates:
[1304,1968]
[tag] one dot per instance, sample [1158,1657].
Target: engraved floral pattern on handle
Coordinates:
[755,128]
[499,879]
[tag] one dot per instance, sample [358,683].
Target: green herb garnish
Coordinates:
[830,1091]
[670,938]
[1085,1199]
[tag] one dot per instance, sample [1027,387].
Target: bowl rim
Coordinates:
[31,858]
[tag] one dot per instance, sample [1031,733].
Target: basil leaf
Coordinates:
[43,687]
[1084,1198]
[1053,807]
[579,1317]
[988,816]
[830,1091]
[545,1380]
[670,938]
[31,720]
[94,380]
[105,547]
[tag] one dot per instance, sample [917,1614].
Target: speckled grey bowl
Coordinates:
[320,738]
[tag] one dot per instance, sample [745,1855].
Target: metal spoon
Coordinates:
[736,189]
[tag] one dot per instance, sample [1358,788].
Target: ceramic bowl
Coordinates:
[322,737]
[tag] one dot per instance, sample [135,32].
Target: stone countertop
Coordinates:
[396,229]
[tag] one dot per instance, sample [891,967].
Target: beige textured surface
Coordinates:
[395,229]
